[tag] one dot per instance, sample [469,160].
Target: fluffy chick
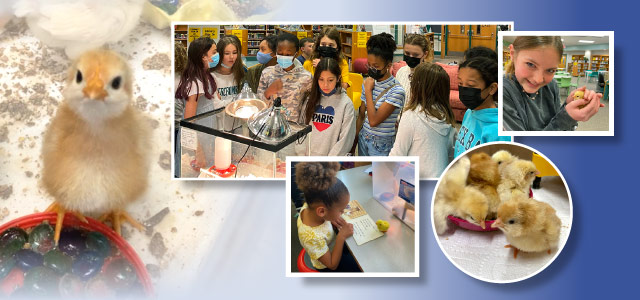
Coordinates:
[516,179]
[94,150]
[529,225]
[484,175]
[503,158]
[454,197]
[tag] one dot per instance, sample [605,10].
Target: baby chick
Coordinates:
[454,197]
[503,158]
[484,175]
[382,225]
[516,179]
[528,224]
[94,151]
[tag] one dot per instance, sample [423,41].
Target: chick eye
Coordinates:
[470,217]
[115,83]
[79,77]
[512,221]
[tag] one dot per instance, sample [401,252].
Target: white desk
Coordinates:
[393,252]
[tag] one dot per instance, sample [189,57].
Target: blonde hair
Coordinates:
[422,42]
[531,42]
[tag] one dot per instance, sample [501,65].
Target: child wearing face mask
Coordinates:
[382,99]
[531,100]
[229,73]
[416,49]
[325,198]
[266,58]
[478,88]
[330,112]
[328,45]
[288,79]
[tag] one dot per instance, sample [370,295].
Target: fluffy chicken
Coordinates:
[529,225]
[94,149]
[484,175]
[516,179]
[503,158]
[454,197]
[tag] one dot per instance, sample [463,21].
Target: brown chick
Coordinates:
[454,197]
[529,225]
[516,179]
[484,175]
[93,152]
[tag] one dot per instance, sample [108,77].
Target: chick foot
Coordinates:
[117,217]
[515,250]
[61,211]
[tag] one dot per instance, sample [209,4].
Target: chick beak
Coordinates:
[94,88]
[497,223]
[482,224]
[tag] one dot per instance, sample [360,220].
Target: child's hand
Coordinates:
[315,62]
[275,87]
[369,83]
[338,223]
[346,231]
[583,109]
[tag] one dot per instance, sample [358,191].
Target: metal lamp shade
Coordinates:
[270,124]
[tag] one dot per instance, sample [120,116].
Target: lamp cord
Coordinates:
[249,146]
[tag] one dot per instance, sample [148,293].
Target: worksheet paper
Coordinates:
[364,228]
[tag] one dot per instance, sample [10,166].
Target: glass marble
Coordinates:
[121,274]
[72,242]
[58,261]
[13,281]
[99,243]
[42,281]
[71,286]
[87,265]
[27,259]
[6,264]
[41,238]
[12,240]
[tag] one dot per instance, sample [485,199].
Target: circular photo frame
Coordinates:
[501,212]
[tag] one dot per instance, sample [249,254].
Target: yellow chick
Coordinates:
[484,175]
[454,197]
[95,149]
[579,95]
[516,179]
[383,225]
[529,225]
[503,158]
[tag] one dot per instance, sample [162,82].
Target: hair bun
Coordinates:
[316,176]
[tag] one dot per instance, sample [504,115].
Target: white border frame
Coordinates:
[435,234]
[173,75]
[611,101]
[415,159]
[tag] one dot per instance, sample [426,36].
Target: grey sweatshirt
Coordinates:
[426,137]
[545,112]
[333,126]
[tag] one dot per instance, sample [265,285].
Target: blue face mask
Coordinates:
[329,93]
[216,60]
[263,58]
[285,61]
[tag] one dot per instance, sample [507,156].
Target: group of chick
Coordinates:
[483,187]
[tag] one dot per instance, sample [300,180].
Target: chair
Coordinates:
[544,167]
[302,265]
[355,89]
[565,82]
[359,65]
[591,74]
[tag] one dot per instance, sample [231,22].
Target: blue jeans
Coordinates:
[373,145]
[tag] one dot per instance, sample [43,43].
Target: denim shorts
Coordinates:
[373,145]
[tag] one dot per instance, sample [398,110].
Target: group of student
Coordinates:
[405,116]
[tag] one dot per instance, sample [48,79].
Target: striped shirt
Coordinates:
[394,96]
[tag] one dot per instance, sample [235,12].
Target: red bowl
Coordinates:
[470,226]
[127,251]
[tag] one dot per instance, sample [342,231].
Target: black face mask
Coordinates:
[471,97]
[412,62]
[326,51]
[376,74]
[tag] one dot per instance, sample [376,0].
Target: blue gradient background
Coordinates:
[600,256]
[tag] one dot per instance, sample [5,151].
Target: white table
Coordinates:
[393,252]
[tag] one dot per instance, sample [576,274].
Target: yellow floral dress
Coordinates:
[315,240]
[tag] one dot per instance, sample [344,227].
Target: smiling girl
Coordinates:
[531,99]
